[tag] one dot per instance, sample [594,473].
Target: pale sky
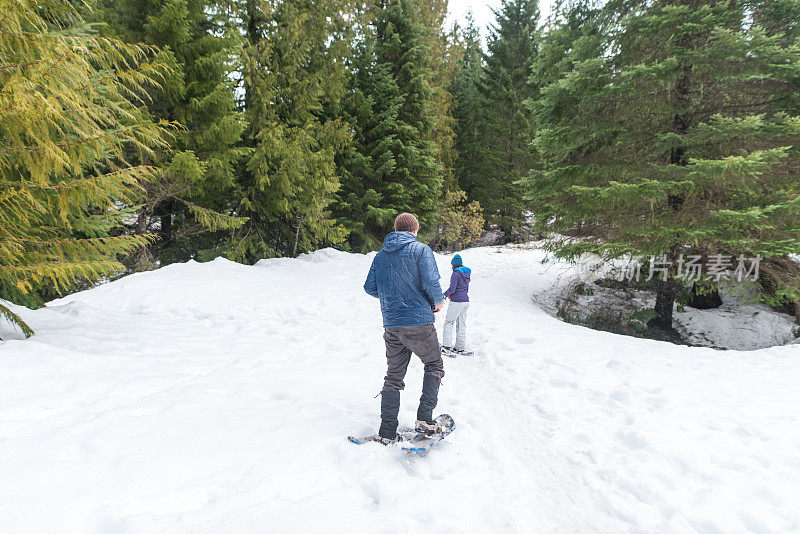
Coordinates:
[482,12]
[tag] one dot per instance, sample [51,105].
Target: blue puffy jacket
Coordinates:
[405,278]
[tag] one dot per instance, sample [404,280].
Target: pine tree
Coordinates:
[393,166]
[69,116]
[193,194]
[574,32]
[468,110]
[445,59]
[681,140]
[293,72]
[777,17]
[402,45]
[371,107]
[505,152]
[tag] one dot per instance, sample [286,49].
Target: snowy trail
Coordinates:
[216,398]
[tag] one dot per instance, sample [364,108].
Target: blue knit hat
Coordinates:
[456,260]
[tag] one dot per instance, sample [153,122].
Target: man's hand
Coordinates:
[438,307]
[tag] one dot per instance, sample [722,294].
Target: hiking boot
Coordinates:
[387,441]
[427,427]
[447,349]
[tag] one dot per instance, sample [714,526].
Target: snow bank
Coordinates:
[737,325]
[216,397]
[734,325]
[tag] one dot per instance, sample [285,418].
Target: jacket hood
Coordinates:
[397,240]
[465,270]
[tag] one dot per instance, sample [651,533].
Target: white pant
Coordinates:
[456,313]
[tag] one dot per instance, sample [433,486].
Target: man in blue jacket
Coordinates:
[405,278]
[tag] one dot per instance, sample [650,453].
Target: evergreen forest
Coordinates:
[139,133]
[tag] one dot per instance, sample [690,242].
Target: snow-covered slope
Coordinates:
[216,398]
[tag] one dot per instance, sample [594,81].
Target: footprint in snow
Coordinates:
[559,383]
[619,396]
[633,440]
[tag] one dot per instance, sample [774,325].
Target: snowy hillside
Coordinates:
[216,398]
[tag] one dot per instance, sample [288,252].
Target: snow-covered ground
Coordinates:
[216,398]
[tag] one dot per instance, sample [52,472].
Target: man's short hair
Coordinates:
[405,222]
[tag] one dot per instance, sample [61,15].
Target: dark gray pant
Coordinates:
[400,343]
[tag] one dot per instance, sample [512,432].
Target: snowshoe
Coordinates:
[417,441]
[411,439]
[453,352]
[375,437]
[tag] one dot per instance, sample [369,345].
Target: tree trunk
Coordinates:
[141,222]
[680,125]
[665,296]
[252,36]
[166,228]
[665,302]
[297,236]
